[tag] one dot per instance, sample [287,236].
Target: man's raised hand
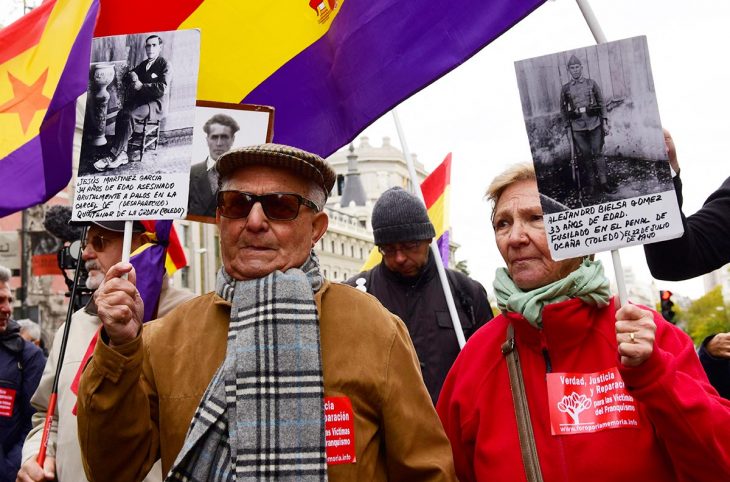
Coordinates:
[119,304]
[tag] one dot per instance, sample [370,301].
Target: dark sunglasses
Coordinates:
[97,241]
[277,206]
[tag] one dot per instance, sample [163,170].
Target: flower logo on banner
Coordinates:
[573,404]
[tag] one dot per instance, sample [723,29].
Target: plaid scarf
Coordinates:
[262,415]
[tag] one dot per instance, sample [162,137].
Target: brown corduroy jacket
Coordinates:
[136,401]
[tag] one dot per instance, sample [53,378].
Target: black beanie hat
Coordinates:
[399,217]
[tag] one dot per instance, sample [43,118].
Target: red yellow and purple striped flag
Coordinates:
[436,190]
[151,260]
[329,67]
[44,68]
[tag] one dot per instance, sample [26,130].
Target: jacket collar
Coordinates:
[10,338]
[426,274]
[217,300]
[565,325]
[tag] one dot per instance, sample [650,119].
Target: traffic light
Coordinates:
[666,304]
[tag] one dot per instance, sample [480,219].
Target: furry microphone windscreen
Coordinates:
[57,223]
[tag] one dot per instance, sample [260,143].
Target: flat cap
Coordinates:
[308,165]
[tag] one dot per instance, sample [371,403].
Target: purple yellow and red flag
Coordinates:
[44,66]
[163,254]
[328,67]
[436,190]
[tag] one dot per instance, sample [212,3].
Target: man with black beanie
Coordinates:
[406,282]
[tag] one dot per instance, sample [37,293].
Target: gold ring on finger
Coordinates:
[633,338]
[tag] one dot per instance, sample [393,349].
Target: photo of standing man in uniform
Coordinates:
[586,122]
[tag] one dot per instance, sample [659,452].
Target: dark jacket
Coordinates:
[201,199]
[717,369]
[421,304]
[21,366]
[155,86]
[705,245]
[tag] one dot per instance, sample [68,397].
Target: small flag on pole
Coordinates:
[436,189]
[163,254]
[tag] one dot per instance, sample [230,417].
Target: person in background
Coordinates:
[407,283]
[102,250]
[704,247]
[31,331]
[714,355]
[610,393]
[21,365]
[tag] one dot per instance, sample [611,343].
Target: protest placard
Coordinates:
[138,129]
[598,148]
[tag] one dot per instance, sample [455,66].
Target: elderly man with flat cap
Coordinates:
[102,250]
[278,374]
[407,283]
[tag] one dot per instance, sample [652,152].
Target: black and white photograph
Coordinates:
[138,125]
[596,139]
[220,127]
[593,124]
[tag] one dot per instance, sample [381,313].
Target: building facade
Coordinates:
[364,172]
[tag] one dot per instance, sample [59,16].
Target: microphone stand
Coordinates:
[64,341]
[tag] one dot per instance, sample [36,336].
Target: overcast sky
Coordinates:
[475,110]
[11,10]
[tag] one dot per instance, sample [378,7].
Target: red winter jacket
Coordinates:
[684,426]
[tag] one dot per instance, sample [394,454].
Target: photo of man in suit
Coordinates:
[147,84]
[220,131]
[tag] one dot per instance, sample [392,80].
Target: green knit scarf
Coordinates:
[587,283]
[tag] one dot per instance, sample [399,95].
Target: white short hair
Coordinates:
[33,329]
[5,274]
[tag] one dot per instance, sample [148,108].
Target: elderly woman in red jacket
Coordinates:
[609,394]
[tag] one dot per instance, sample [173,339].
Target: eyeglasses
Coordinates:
[405,248]
[277,206]
[97,241]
